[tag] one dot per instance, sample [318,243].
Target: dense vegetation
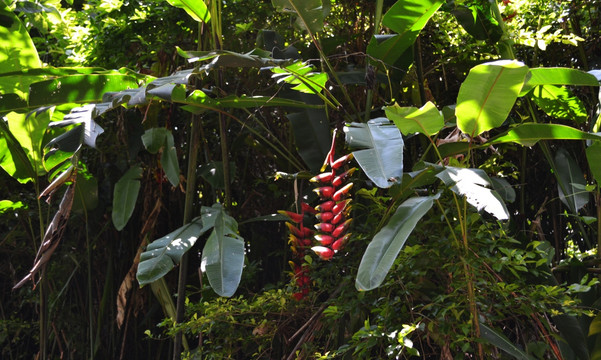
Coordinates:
[306,179]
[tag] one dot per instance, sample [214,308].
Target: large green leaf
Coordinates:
[476,186]
[311,130]
[593,156]
[17,50]
[161,139]
[223,254]
[499,340]
[13,158]
[488,94]
[407,18]
[572,332]
[560,103]
[388,242]
[382,156]
[197,9]
[164,253]
[557,76]
[310,14]
[570,181]
[302,77]
[426,120]
[78,88]
[29,130]
[478,22]
[529,134]
[125,195]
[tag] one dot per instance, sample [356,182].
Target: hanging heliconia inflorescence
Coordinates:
[300,241]
[332,212]
[332,215]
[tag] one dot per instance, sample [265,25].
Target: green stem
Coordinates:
[370,92]
[189,201]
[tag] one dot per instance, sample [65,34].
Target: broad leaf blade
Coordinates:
[223,254]
[382,157]
[78,88]
[29,130]
[570,181]
[488,94]
[426,120]
[593,155]
[560,103]
[386,245]
[407,18]
[476,186]
[164,253]
[125,195]
[197,9]
[13,158]
[310,13]
[557,76]
[499,340]
[529,134]
[18,51]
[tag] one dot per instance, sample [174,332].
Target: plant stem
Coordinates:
[190,194]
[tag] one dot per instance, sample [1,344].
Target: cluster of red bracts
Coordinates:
[333,211]
[332,216]
[300,241]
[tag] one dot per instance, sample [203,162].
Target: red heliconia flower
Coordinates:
[326,206]
[323,177]
[325,227]
[339,207]
[338,180]
[340,229]
[339,244]
[306,208]
[341,161]
[338,218]
[325,240]
[297,218]
[325,253]
[340,194]
[324,216]
[325,192]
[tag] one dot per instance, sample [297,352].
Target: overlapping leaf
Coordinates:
[488,94]
[382,156]
[223,254]
[388,242]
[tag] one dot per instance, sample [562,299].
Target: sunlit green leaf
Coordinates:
[560,103]
[529,134]
[476,186]
[78,88]
[18,51]
[487,95]
[8,206]
[381,157]
[557,76]
[407,18]
[197,9]
[426,120]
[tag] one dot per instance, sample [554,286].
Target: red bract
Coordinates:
[326,206]
[325,192]
[323,177]
[334,210]
[297,218]
[325,253]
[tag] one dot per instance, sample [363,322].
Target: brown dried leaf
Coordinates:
[53,235]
